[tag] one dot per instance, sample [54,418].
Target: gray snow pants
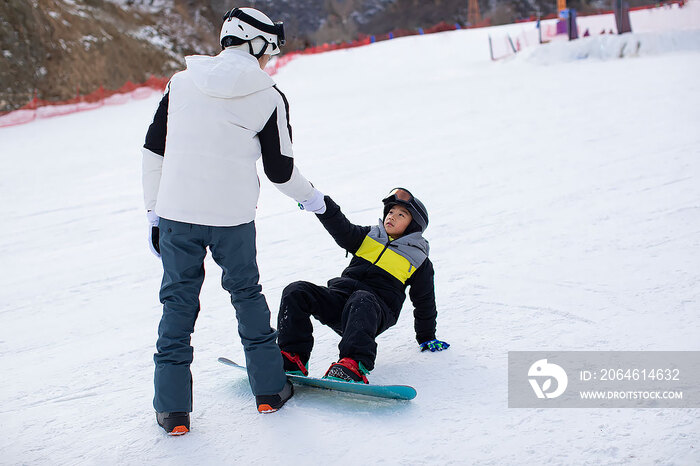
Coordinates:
[183,248]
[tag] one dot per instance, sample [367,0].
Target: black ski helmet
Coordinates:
[404,198]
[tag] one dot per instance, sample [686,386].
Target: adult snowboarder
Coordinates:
[201,187]
[367,298]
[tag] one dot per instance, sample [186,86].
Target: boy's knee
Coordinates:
[363,303]
[296,289]
[363,299]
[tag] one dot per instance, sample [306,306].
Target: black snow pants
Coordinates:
[357,317]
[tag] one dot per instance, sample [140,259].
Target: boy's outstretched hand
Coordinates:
[434,345]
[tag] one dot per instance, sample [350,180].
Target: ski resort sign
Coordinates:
[604,379]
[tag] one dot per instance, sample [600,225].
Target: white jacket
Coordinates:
[222,114]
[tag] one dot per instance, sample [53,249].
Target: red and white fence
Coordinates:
[38,108]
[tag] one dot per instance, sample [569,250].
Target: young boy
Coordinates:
[367,298]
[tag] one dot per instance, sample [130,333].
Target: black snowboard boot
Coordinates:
[174,423]
[347,370]
[271,403]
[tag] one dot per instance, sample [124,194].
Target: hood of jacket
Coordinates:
[232,73]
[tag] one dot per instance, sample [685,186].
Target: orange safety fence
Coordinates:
[362,40]
[39,108]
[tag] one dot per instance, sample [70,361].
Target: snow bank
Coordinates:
[606,47]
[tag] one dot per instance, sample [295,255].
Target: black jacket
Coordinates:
[362,274]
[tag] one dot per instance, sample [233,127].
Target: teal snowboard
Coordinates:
[394,392]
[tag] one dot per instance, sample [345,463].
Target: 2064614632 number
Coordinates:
[640,374]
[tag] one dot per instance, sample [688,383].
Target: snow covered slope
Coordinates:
[565,215]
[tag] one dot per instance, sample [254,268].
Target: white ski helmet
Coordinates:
[249,25]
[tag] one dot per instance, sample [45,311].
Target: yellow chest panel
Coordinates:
[391,262]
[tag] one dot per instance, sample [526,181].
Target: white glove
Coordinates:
[315,203]
[153,232]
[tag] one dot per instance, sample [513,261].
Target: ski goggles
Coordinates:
[404,197]
[277,28]
[398,194]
